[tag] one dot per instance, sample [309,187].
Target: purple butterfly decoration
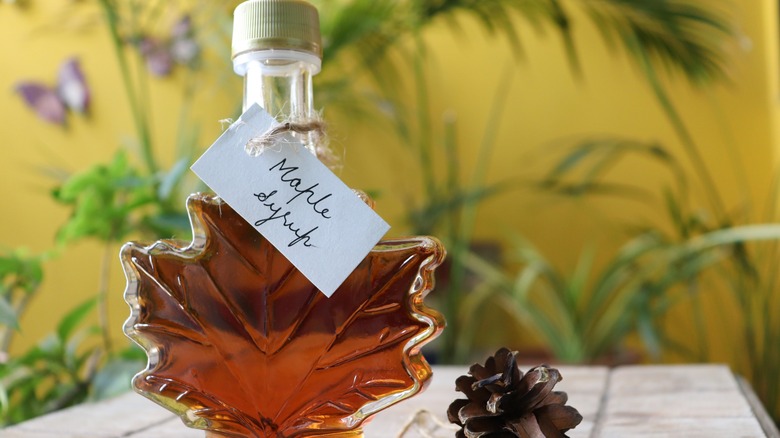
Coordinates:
[162,55]
[52,104]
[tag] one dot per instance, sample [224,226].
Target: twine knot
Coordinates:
[316,127]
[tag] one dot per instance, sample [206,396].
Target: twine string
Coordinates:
[425,424]
[314,127]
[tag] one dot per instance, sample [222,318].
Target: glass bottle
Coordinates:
[277,48]
[239,342]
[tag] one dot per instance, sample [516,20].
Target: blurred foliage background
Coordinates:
[603,173]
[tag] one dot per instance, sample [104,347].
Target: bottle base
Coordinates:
[357,433]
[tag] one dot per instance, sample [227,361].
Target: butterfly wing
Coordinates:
[158,58]
[43,100]
[184,48]
[72,87]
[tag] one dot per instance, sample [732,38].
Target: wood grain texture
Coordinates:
[676,401]
[688,401]
[758,409]
[117,417]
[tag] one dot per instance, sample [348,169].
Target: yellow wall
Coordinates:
[34,43]
[733,123]
[546,107]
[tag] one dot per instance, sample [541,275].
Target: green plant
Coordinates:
[759,326]
[138,195]
[587,315]
[685,37]
[107,202]
[735,248]
[679,34]
[20,277]
[369,37]
[583,316]
[64,368]
[52,375]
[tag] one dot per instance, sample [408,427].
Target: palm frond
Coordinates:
[681,34]
[426,218]
[359,25]
[368,29]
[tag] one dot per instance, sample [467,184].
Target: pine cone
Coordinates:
[504,403]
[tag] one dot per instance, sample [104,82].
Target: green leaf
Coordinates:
[132,353]
[9,265]
[525,280]
[114,378]
[103,200]
[680,34]
[22,270]
[730,236]
[4,404]
[73,318]
[169,224]
[172,178]
[578,281]
[8,315]
[583,169]
[426,219]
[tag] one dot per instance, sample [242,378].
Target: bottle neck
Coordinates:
[282,88]
[281,83]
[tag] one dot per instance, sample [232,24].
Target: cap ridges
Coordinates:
[276,25]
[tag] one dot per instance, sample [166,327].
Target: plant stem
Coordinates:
[698,319]
[561,19]
[465,217]
[144,109]
[733,151]
[683,134]
[7,333]
[103,286]
[424,122]
[139,116]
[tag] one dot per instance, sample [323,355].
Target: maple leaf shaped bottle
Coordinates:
[240,343]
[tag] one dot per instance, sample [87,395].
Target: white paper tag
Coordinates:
[293,200]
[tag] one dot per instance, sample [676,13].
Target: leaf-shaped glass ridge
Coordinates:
[242,344]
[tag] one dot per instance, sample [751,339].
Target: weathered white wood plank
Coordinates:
[676,401]
[681,404]
[108,419]
[583,384]
[650,379]
[173,428]
[758,409]
[647,401]
[9,433]
[682,428]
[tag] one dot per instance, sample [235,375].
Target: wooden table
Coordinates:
[635,401]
